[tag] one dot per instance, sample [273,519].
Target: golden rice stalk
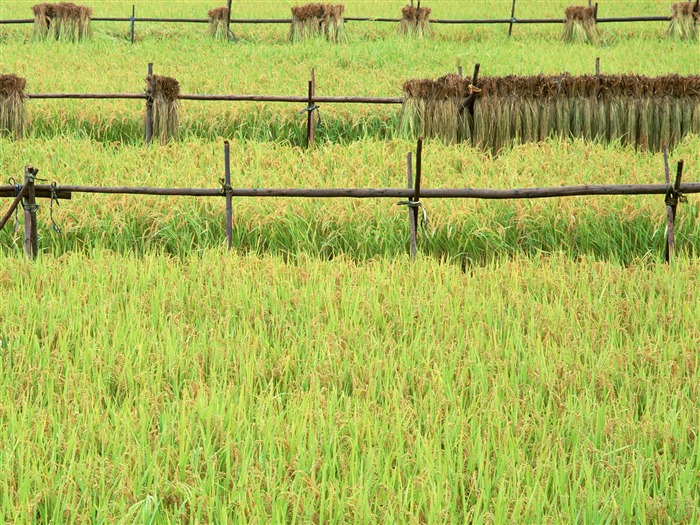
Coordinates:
[685,17]
[580,26]
[12,105]
[217,23]
[165,92]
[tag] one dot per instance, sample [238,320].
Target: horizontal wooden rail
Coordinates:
[239,98]
[373,193]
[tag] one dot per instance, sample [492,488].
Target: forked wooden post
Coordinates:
[512,19]
[411,217]
[227,189]
[149,106]
[132,22]
[310,132]
[31,242]
[228,20]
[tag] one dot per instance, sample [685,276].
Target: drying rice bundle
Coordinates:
[580,25]
[317,19]
[12,105]
[684,20]
[434,108]
[165,92]
[415,21]
[218,19]
[62,21]
[642,112]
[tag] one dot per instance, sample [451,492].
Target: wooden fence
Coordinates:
[27,194]
[510,21]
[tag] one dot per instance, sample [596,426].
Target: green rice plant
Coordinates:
[165,92]
[415,21]
[684,21]
[12,105]
[218,18]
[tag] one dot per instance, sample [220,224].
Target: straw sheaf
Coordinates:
[449,86]
[12,85]
[167,87]
[415,14]
[579,12]
[218,13]
[318,11]
[686,9]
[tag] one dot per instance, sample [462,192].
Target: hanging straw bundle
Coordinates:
[642,112]
[165,92]
[415,21]
[581,25]
[317,19]
[433,108]
[62,21]
[217,23]
[12,105]
[684,20]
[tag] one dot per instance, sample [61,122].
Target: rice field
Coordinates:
[538,363]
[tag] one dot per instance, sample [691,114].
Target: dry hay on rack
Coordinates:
[218,19]
[685,17]
[165,92]
[317,20]
[12,105]
[62,21]
[643,112]
[415,21]
[580,25]
[433,108]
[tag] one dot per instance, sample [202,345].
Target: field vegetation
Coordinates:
[538,363]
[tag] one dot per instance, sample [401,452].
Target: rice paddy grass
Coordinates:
[229,389]
[538,364]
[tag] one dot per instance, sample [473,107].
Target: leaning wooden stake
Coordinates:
[227,189]
[512,19]
[411,217]
[149,106]
[20,195]
[671,199]
[310,132]
[31,243]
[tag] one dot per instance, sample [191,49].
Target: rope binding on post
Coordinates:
[417,204]
[309,109]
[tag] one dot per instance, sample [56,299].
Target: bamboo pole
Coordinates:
[310,132]
[512,19]
[232,98]
[415,199]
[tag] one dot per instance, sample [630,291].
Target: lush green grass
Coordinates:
[227,389]
[610,227]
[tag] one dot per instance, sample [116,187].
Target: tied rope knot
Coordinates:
[416,205]
[310,109]
[674,197]
[225,188]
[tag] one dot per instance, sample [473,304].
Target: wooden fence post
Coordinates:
[671,199]
[31,242]
[415,200]
[227,189]
[413,226]
[132,23]
[310,131]
[228,21]
[149,106]
[512,19]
